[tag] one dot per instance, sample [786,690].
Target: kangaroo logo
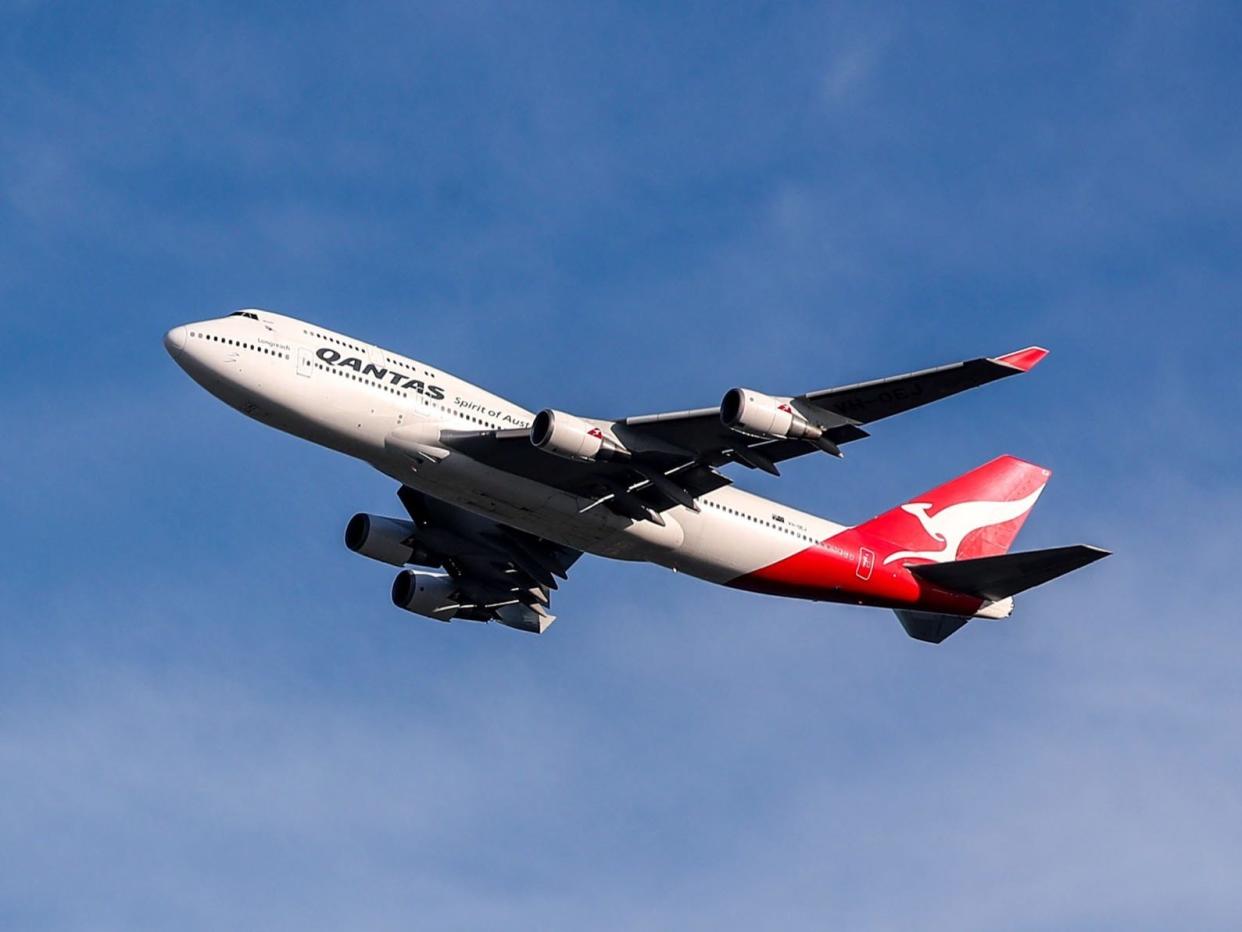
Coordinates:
[952,524]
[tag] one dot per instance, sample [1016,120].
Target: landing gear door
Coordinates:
[304,362]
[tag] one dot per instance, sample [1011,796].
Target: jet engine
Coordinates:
[426,594]
[573,438]
[760,415]
[389,540]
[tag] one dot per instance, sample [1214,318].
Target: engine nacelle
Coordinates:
[426,594]
[389,540]
[573,438]
[762,415]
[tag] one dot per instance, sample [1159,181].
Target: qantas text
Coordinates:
[399,379]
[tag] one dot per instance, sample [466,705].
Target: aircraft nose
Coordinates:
[174,341]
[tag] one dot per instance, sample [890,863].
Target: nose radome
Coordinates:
[174,341]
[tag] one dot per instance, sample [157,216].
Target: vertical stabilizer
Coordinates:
[977,514]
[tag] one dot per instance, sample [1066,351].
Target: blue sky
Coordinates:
[210,715]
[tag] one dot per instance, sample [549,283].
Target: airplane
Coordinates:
[500,501]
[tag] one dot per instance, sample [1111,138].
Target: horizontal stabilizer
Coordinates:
[929,626]
[995,578]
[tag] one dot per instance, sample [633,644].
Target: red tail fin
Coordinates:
[975,515]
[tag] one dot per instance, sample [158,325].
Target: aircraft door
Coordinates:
[305,363]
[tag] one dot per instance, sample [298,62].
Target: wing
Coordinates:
[841,411]
[652,481]
[675,457]
[502,574]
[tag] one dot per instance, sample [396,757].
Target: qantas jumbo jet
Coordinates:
[501,501]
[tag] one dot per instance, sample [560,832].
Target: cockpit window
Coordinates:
[249,314]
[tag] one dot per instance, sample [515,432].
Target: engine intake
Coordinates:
[389,540]
[573,438]
[426,594]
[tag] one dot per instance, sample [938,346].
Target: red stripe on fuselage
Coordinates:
[845,568]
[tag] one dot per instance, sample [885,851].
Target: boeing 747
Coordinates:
[500,501]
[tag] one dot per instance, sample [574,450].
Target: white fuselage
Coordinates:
[354,397]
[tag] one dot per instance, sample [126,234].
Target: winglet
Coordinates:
[1024,359]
